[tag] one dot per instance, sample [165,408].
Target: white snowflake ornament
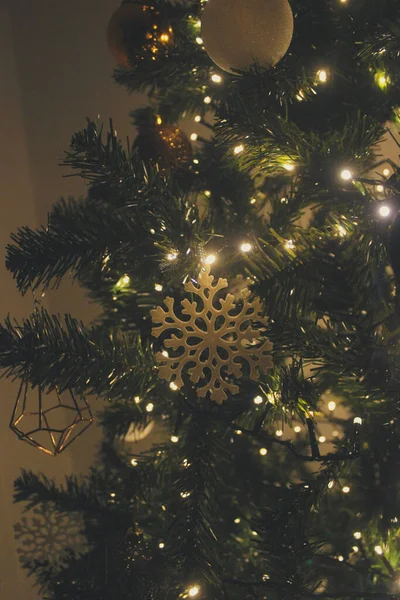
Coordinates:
[215,339]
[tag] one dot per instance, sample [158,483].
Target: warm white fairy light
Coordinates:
[150,407]
[113,494]
[246,247]
[185,495]
[288,166]
[238,432]
[258,400]
[174,439]
[340,558]
[238,149]
[161,545]
[279,433]
[253,200]
[341,231]
[207,100]
[297,429]
[386,172]
[207,193]
[199,40]
[289,245]
[165,353]
[194,591]
[134,462]
[357,421]
[137,399]
[331,484]
[355,548]
[346,174]
[357,535]
[197,118]
[172,256]
[194,137]
[237,520]
[173,386]
[332,405]
[379,550]
[322,439]
[196,161]
[300,96]
[379,188]
[322,76]
[263,451]
[384,211]
[216,78]
[158,287]
[346,489]
[254,533]
[210,259]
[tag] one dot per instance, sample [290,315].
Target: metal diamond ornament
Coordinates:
[50,421]
[212,338]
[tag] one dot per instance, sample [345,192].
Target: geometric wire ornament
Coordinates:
[49,421]
[213,338]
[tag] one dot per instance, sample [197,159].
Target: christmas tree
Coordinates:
[247,278]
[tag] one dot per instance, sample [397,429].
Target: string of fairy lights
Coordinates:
[384,210]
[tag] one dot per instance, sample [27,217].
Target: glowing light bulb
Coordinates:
[378,550]
[238,432]
[210,259]
[164,37]
[172,256]
[216,78]
[207,100]
[322,76]
[297,429]
[199,40]
[159,121]
[173,386]
[289,245]
[279,433]
[357,421]
[331,405]
[254,533]
[113,494]
[288,166]
[346,174]
[357,535]
[137,399]
[123,281]
[355,548]
[263,451]
[322,439]
[340,558]
[174,439]
[134,462]
[253,200]
[238,149]
[150,407]
[158,287]
[258,400]
[185,495]
[161,545]
[207,193]
[386,172]
[237,520]
[194,137]
[165,353]
[346,489]
[379,188]
[246,247]
[197,118]
[193,591]
[331,484]
[384,211]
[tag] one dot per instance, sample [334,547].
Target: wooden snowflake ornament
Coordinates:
[212,339]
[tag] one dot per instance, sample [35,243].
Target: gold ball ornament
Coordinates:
[135,27]
[237,33]
[164,145]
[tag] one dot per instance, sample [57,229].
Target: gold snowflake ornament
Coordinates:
[212,339]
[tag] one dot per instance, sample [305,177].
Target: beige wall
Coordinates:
[55,70]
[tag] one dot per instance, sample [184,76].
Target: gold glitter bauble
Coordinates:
[135,27]
[164,145]
[237,33]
